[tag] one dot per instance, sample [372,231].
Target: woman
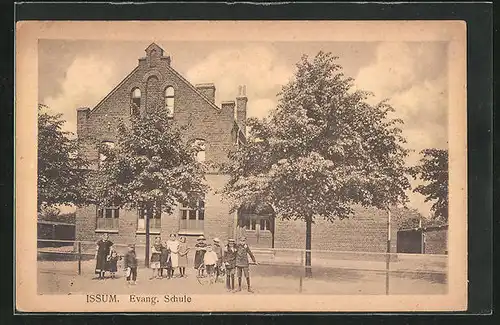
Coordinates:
[155,258]
[200,254]
[183,256]
[101,254]
[173,247]
[165,259]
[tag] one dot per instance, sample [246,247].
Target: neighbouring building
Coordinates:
[218,128]
[423,240]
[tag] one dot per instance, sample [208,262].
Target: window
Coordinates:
[265,224]
[200,146]
[154,220]
[192,219]
[107,218]
[109,145]
[251,224]
[135,105]
[169,101]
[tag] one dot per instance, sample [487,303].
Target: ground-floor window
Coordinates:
[107,218]
[263,223]
[154,219]
[192,219]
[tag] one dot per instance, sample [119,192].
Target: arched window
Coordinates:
[135,104]
[199,145]
[169,101]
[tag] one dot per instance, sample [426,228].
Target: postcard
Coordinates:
[240,166]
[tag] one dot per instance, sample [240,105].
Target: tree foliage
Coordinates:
[433,170]
[321,150]
[150,166]
[61,171]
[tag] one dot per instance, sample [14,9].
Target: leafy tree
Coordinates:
[152,168]
[61,171]
[321,150]
[407,218]
[433,170]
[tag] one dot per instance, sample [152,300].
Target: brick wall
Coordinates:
[436,241]
[366,231]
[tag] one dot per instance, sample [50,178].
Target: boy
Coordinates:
[218,250]
[230,262]
[242,252]
[130,264]
[210,260]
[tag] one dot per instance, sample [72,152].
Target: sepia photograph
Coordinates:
[241,166]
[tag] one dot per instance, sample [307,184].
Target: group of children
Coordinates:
[168,256]
[234,259]
[173,254]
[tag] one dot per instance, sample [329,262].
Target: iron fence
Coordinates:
[289,264]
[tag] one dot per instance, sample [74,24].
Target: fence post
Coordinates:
[388,252]
[301,266]
[79,258]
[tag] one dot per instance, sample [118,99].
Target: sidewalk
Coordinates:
[62,278]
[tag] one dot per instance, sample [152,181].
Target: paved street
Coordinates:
[60,277]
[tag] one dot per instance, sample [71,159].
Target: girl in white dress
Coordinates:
[173,246]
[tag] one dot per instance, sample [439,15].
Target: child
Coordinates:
[155,258]
[183,256]
[230,262]
[242,265]
[112,262]
[130,264]
[210,260]
[200,253]
[218,250]
[173,246]
[165,260]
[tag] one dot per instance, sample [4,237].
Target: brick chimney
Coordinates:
[82,115]
[228,108]
[241,108]
[208,90]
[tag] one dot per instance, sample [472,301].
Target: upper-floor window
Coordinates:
[135,104]
[200,146]
[105,145]
[169,101]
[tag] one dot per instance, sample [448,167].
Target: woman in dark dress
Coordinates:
[102,252]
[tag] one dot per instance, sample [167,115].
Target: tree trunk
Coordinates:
[308,247]
[146,226]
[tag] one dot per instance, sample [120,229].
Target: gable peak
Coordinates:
[153,47]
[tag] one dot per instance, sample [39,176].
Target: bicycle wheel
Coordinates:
[203,279]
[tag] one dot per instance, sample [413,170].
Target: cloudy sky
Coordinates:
[413,76]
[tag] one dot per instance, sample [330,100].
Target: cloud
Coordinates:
[256,66]
[87,80]
[413,77]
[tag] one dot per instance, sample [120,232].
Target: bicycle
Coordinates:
[204,278]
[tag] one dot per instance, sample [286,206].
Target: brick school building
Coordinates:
[218,128]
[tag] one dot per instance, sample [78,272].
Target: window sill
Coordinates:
[111,231]
[255,231]
[151,231]
[190,232]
